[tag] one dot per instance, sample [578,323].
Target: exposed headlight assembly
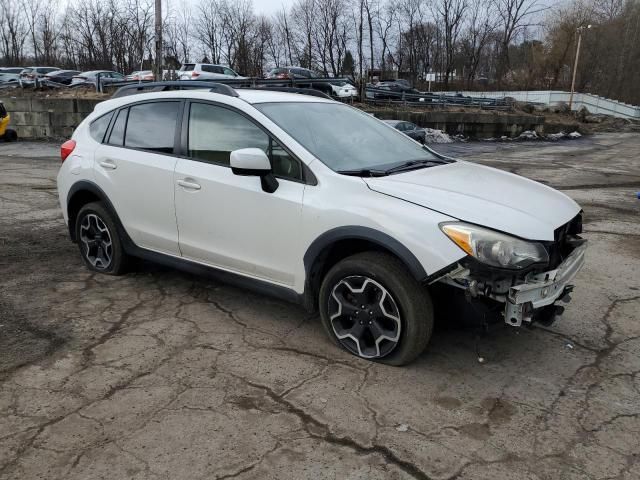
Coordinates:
[494,248]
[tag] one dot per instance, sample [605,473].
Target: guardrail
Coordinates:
[372,95]
[593,103]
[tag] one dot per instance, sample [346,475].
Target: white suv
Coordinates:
[316,202]
[206,71]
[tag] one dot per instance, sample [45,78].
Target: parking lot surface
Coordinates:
[159,374]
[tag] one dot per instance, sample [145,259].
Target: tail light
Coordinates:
[194,74]
[66,149]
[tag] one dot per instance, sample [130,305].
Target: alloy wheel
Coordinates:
[364,317]
[96,238]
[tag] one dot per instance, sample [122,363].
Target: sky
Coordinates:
[268,7]
[265,7]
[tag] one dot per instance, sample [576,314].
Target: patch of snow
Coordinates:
[528,135]
[574,135]
[402,428]
[554,137]
[436,136]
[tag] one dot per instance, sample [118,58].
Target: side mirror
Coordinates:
[254,162]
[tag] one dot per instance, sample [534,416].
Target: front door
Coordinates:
[227,220]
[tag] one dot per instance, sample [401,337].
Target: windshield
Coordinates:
[343,137]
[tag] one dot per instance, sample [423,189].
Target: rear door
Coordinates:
[135,168]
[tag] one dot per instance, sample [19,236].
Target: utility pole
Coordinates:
[575,64]
[158,65]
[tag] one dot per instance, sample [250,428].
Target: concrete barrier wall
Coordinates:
[593,103]
[47,118]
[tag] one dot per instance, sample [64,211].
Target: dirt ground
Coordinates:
[162,375]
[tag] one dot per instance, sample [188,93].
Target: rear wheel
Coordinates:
[372,307]
[98,239]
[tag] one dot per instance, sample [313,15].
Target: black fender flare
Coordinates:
[356,232]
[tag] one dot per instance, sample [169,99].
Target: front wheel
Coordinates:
[371,306]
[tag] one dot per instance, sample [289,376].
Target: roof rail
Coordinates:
[213,87]
[301,91]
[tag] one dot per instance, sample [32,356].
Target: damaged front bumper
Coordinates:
[543,289]
[526,299]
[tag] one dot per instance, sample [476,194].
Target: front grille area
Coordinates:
[563,245]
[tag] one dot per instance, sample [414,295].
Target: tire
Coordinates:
[397,310]
[100,245]
[10,135]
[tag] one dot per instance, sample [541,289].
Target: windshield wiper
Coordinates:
[415,164]
[364,172]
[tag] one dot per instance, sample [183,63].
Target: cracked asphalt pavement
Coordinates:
[159,374]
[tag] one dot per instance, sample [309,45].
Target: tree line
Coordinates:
[503,44]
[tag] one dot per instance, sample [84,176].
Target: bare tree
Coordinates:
[481,23]
[303,14]
[450,15]
[13,34]
[514,15]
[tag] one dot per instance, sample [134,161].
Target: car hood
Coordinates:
[483,196]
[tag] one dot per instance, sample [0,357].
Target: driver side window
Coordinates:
[214,132]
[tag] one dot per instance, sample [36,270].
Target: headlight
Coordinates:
[493,248]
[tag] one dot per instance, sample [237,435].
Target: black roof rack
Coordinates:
[301,91]
[134,88]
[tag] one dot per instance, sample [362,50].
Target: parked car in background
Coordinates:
[31,75]
[62,77]
[140,75]
[395,90]
[292,72]
[344,90]
[92,77]
[11,70]
[409,129]
[300,74]
[206,71]
[10,75]
[398,81]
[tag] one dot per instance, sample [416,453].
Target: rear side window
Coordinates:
[187,67]
[98,127]
[152,126]
[212,69]
[117,132]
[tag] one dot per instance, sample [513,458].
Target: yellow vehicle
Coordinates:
[6,134]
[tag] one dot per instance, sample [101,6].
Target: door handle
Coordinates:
[108,164]
[189,185]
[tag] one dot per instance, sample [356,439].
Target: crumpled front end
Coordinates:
[530,295]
